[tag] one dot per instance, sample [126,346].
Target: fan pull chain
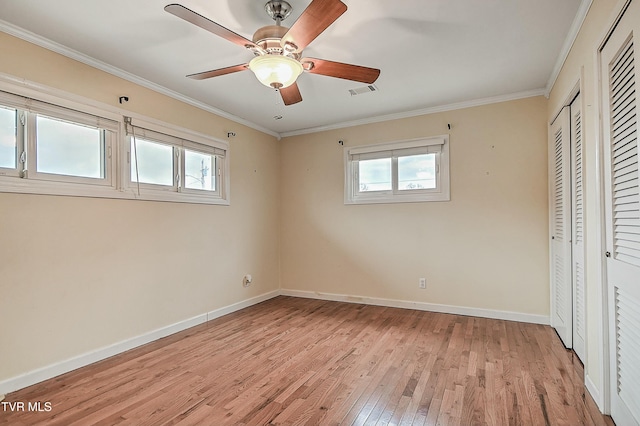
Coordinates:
[279,110]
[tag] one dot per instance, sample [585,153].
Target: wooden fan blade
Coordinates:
[291,95]
[218,72]
[340,70]
[207,24]
[313,21]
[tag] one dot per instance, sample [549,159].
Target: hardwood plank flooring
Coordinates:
[292,361]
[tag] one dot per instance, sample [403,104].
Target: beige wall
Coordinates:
[581,66]
[78,274]
[486,248]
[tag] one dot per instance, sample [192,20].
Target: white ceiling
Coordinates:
[432,53]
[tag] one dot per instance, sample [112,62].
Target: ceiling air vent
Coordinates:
[364,89]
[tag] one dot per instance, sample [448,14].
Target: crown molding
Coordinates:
[568,44]
[418,112]
[51,45]
[33,38]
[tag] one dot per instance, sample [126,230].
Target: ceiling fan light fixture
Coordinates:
[275,70]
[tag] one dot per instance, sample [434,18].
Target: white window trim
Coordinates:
[130,183]
[11,182]
[219,164]
[386,150]
[110,141]
[28,110]
[20,155]
[179,139]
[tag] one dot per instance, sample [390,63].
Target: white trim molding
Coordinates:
[45,43]
[53,370]
[583,9]
[419,112]
[597,396]
[220,312]
[421,306]
[50,371]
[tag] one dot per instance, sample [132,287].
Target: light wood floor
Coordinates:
[300,361]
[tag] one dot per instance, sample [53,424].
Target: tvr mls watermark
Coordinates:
[38,406]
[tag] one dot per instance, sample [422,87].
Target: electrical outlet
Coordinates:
[246,281]
[422,283]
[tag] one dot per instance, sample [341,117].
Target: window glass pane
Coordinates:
[199,171]
[65,148]
[417,172]
[155,162]
[8,148]
[375,175]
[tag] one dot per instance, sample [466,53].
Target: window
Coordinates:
[161,164]
[69,149]
[44,142]
[152,162]
[406,171]
[8,138]
[58,144]
[199,169]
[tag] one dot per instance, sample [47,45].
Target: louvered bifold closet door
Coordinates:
[624,159]
[560,193]
[622,214]
[577,239]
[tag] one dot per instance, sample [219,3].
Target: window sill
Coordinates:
[413,198]
[43,187]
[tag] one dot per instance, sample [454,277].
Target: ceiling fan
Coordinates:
[278,57]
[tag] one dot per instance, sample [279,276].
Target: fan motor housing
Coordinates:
[269,37]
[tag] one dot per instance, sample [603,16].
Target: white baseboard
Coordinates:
[217,313]
[53,370]
[595,392]
[421,306]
